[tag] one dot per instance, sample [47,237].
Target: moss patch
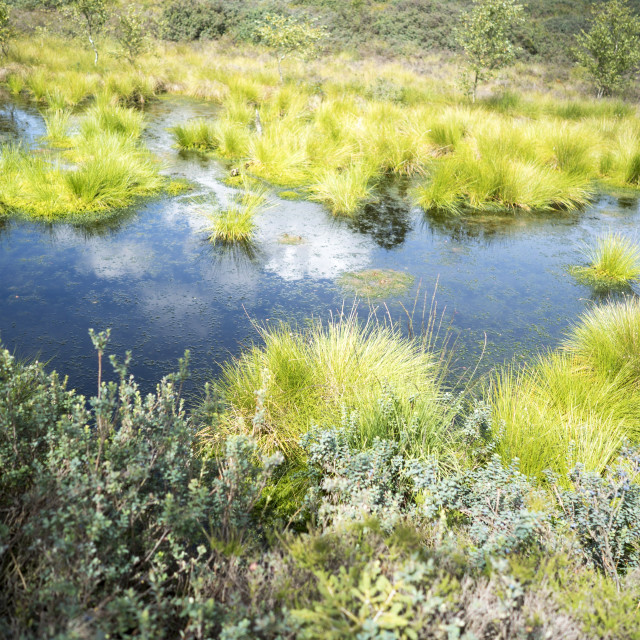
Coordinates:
[376,283]
[289,195]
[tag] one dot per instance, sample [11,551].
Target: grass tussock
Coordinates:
[579,404]
[606,342]
[236,224]
[308,377]
[612,260]
[103,167]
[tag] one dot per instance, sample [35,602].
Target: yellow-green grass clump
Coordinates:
[344,191]
[236,224]
[606,342]
[377,283]
[514,152]
[612,260]
[104,168]
[57,123]
[309,377]
[576,405]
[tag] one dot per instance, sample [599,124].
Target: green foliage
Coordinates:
[288,36]
[486,39]
[236,225]
[604,513]
[112,525]
[188,20]
[110,167]
[610,50]
[107,510]
[90,17]
[5,27]
[132,35]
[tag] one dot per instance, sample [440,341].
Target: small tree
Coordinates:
[131,35]
[288,36]
[610,50]
[485,36]
[91,17]
[5,29]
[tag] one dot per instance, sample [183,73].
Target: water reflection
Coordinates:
[151,274]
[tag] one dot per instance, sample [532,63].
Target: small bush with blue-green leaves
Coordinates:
[117,522]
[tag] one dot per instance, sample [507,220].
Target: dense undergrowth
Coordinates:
[115,521]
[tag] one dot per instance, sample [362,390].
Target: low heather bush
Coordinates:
[111,525]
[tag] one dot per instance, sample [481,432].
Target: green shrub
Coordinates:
[192,20]
[109,523]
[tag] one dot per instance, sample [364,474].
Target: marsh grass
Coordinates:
[613,260]
[198,134]
[550,415]
[390,385]
[578,404]
[236,224]
[497,182]
[334,137]
[103,167]
[57,122]
[606,341]
[344,192]
[114,119]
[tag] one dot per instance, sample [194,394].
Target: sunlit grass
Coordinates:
[578,404]
[550,416]
[606,341]
[105,117]
[612,260]
[311,376]
[57,123]
[333,136]
[343,192]
[236,223]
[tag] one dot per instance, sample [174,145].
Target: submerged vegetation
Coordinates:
[377,283]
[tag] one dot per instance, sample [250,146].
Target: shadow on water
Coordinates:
[387,221]
[485,228]
[241,254]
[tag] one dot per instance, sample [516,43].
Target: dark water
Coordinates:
[153,277]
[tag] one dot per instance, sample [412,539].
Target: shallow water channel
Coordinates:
[153,277]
